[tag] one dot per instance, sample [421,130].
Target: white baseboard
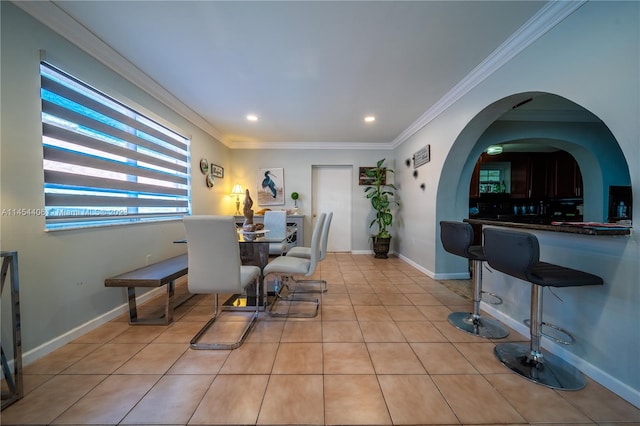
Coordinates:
[455,276]
[614,385]
[53,344]
[362,252]
[425,271]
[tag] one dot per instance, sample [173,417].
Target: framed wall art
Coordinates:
[204,166]
[216,171]
[363,179]
[422,156]
[270,186]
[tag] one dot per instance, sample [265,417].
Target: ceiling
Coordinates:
[310,70]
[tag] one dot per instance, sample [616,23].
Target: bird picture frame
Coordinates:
[270,186]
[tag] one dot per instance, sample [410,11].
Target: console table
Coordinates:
[295,223]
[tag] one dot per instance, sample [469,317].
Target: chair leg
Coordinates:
[473,323]
[292,298]
[529,361]
[322,286]
[194,342]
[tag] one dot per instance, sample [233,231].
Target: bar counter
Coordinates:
[583,228]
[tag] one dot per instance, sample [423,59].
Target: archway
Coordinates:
[546,120]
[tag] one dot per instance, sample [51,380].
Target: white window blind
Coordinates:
[105,163]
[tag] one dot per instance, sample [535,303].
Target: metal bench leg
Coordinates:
[133,311]
[165,319]
[168,310]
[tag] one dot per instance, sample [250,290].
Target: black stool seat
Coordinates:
[475,252]
[457,238]
[550,275]
[517,254]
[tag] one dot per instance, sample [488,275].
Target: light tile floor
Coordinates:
[380,352]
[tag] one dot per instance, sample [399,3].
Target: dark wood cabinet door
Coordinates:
[538,175]
[566,176]
[519,176]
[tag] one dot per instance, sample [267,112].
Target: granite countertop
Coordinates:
[583,228]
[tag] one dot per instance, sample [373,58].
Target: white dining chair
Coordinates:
[276,223]
[285,267]
[305,253]
[215,268]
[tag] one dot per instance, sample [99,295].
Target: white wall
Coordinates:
[62,273]
[297,165]
[591,58]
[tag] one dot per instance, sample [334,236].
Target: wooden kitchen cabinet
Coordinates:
[566,178]
[519,176]
[537,175]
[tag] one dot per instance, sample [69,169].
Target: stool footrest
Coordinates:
[570,341]
[549,370]
[478,325]
[498,300]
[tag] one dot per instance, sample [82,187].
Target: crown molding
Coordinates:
[312,145]
[550,15]
[59,21]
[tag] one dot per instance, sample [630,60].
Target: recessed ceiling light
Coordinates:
[369,119]
[252,117]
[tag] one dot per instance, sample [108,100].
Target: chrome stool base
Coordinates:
[548,370]
[478,326]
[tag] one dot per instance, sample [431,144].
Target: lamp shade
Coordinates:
[237,190]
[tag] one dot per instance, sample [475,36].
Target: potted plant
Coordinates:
[381,195]
[295,196]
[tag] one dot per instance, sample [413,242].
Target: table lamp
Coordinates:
[237,191]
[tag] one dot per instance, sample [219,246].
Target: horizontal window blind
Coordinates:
[105,163]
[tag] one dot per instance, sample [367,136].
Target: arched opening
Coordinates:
[535,122]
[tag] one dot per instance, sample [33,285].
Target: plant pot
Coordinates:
[381,247]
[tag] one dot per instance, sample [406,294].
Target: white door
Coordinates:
[331,187]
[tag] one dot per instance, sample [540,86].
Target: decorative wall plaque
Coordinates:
[422,157]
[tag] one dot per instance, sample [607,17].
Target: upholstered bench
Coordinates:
[155,275]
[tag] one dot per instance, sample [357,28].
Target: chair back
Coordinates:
[511,252]
[456,237]
[276,223]
[316,243]
[214,254]
[325,235]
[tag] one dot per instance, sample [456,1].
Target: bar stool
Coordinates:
[457,238]
[518,254]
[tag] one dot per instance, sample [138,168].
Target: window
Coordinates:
[105,163]
[495,177]
[490,180]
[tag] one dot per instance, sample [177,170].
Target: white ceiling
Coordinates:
[310,70]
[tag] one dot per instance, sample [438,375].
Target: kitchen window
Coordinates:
[495,177]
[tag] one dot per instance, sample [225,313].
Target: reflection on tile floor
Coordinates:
[380,352]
